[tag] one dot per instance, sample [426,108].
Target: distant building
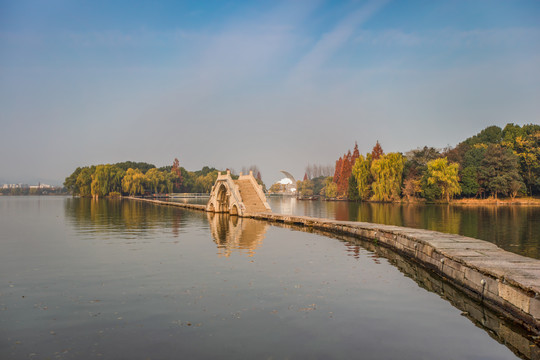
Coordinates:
[15,186]
[285,186]
[41,186]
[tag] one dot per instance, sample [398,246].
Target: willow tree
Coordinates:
[362,173]
[84,182]
[167,182]
[445,176]
[153,178]
[133,182]
[387,173]
[106,179]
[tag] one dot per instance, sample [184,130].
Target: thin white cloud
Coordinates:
[332,41]
[390,37]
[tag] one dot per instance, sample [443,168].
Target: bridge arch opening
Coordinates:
[222,199]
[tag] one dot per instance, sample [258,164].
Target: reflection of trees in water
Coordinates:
[389,214]
[233,233]
[116,215]
[443,218]
[513,228]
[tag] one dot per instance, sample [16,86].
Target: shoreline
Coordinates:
[506,282]
[525,201]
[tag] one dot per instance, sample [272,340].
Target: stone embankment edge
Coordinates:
[507,282]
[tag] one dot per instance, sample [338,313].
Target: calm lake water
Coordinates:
[119,279]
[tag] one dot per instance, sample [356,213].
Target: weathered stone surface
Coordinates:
[514,296]
[241,197]
[534,307]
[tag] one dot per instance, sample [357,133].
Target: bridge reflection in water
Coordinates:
[233,233]
[243,235]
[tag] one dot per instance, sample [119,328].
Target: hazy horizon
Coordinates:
[277,84]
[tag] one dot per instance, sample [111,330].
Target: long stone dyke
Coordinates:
[506,282]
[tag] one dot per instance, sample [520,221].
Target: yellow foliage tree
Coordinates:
[445,175]
[361,171]
[133,182]
[387,172]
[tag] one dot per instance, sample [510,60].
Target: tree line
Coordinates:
[138,178]
[495,162]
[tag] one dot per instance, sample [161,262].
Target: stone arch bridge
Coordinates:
[237,197]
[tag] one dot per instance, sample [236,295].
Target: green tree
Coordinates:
[531,129]
[445,176]
[472,184]
[144,167]
[509,135]
[527,149]
[84,182]
[500,170]
[387,173]
[352,192]
[71,182]
[319,183]
[469,181]
[474,156]
[429,191]
[490,135]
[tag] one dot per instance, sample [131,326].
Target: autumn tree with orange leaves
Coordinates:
[377,151]
[177,174]
[344,170]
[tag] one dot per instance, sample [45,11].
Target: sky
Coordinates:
[276,84]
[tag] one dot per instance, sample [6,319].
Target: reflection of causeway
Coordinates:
[233,233]
[519,341]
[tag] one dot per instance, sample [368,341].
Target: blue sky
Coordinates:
[279,84]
